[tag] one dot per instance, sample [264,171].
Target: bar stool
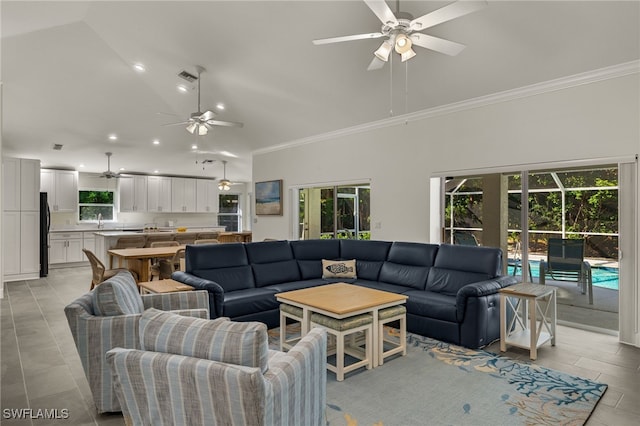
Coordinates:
[295,314]
[385,316]
[340,329]
[184,238]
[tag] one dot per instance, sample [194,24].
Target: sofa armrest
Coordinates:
[300,375]
[183,300]
[480,289]
[216,292]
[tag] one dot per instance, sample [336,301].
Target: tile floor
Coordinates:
[41,369]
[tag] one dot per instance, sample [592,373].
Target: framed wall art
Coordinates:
[269,197]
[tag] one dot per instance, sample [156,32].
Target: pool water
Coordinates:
[602,276]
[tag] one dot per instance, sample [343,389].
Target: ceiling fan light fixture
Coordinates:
[405,56]
[202,130]
[191,128]
[383,51]
[224,185]
[403,43]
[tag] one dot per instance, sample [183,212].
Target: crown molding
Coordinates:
[588,77]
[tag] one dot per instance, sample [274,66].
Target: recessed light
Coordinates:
[194,146]
[220,106]
[182,88]
[122,169]
[156,171]
[156,142]
[113,137]
[139,67]
[81,165]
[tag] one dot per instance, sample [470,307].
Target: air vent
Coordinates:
[207,161]
[57,147]
[187,76]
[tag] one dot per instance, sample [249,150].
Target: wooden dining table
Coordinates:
[139,259]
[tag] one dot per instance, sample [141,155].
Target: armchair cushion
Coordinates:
[239,343]
[119,295]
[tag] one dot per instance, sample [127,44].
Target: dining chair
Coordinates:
[155,263]
[230,238]
[99,272]
[127,241]
[207,241]
[207,235]
[185,238]
[166,267]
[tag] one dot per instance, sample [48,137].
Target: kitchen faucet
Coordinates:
[100,221]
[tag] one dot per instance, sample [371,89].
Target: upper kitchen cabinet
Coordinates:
[206,196]
[183,195]
[62,189]
[158,194]
[20,184]
[133,193]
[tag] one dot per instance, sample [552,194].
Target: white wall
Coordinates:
[599,119]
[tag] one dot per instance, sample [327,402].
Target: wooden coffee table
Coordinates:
[342,300]
[163,286]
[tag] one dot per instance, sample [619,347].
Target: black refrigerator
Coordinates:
[45,224]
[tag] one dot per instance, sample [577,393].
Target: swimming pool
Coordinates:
[602,276]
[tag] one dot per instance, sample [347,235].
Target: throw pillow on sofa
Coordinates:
[339,269]
[119,295]
[239,343]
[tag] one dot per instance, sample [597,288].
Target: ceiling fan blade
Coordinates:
[207,115]
[437,44]
[447,13]
[376,64]
[382,11]
[347,38]
[224,123]
[175,124]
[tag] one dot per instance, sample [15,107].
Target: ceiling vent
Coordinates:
[187,76]
[57,147]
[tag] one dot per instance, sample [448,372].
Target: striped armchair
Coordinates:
[109,316]
[218,372]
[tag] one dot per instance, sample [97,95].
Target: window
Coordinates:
[230,214]
[92,203]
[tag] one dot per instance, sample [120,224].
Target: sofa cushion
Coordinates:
[296,285]
[250,301]
[448,281]
[119,295]
[369,256]
[230,279]
[404,275]
[309,254]
[377,285]
[276,272]
[415,254]
[214,256]
[339,269]
[431,305]
[483,260]
[238,343]
[269,251]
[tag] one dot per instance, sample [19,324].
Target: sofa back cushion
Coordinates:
[272,262]
[456,266]
[119,295]
[238,343]
[408,264]
[369,255]
[309,255]
[226,264]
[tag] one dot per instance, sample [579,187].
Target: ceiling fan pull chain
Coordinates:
[406,89]
[391,86]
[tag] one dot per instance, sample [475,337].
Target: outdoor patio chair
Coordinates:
[565,262]
[465,239]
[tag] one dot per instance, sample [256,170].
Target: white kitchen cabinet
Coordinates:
[158,194]
[183,195]
[20,218]
[62,189]
[89,241]
[20,184]
[207,199]
[65,247]
[133,193]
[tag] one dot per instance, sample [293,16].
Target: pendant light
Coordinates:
[224,184]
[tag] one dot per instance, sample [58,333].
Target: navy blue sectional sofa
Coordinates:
[452,289]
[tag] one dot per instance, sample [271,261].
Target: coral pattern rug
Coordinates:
[438,383]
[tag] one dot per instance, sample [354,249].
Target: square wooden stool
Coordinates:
[294,313]
[385,316]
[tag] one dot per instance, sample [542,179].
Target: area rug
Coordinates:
[438,383]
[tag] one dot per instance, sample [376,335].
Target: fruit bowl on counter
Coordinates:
[181,229]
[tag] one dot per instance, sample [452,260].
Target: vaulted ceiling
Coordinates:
[68,76]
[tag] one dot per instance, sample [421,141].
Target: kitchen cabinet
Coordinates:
[158,194]
[89,241]
[62,189]
[206,196]
[20,184]
[65,247]
[20,218]
[133,193]
[183,195]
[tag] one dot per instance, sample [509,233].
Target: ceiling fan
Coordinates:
[108,174]
[201,122]
[403,31]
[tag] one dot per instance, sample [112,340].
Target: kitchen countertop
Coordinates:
[114,233]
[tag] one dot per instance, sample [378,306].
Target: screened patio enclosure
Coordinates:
[568,204]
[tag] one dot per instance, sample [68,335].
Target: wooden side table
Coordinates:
[163,286]
[534,317]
